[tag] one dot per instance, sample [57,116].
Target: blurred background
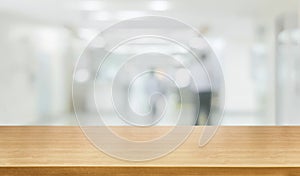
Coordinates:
[256,41]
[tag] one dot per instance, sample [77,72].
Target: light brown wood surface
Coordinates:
[232,151]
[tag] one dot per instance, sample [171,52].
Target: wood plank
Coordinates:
[233,151]
[148,171]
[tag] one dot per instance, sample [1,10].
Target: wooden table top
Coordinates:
[231,147]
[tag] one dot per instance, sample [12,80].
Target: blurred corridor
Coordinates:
[257,43]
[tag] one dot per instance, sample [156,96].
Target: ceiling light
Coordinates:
[87,34]
[124,15]
[100,16]
[90,5]
[160,5]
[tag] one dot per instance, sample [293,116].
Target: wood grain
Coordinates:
[233,151]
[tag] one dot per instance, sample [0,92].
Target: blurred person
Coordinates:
[202,90]
[155,91]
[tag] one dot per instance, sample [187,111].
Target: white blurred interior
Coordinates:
[257,42]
